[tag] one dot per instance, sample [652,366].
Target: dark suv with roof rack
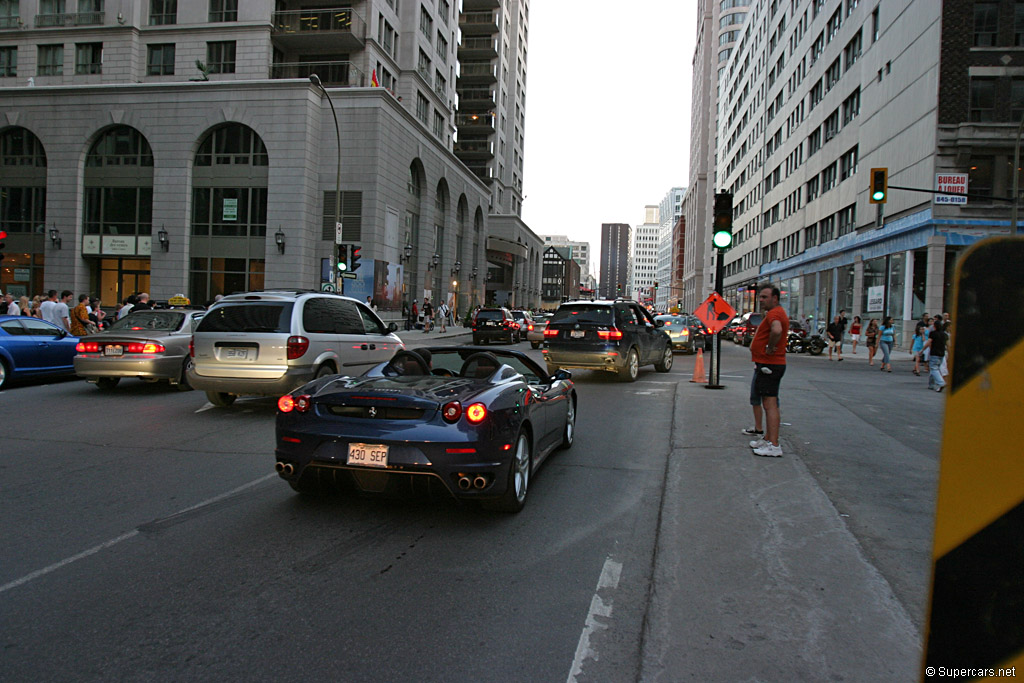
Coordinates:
[615,336]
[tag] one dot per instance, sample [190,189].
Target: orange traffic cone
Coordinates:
[698,368]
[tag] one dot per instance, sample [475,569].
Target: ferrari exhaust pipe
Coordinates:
[480,482]
[288,470]
[465,483]
[279,467]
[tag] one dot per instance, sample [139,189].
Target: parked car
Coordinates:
[495,324]
[267,343]
[151,345]
[685,331]
[477,423]
[614,336]
[30,347]
[744,333]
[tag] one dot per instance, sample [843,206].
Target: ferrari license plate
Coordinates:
[578,334]
[369,454]
[113,350]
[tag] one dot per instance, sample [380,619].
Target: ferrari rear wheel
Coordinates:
[514,497]
[570,425]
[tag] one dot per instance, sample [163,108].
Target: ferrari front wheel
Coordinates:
[514,498]
[569,434]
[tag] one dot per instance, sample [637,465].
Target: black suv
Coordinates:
[497,324]
[616,336]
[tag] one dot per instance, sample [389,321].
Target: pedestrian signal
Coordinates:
[879,185]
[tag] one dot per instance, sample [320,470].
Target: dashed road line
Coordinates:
[609,579]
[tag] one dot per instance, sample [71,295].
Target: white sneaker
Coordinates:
[760,443]
[769,451]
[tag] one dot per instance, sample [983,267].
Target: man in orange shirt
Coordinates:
[768,351]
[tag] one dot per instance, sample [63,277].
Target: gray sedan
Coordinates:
[151,345]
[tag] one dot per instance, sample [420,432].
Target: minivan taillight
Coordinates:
[297,347]
[192,347]
[613,333]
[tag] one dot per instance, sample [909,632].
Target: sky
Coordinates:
[607,112]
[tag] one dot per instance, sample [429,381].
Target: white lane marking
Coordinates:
[610,574]
[123,537]
[205,407]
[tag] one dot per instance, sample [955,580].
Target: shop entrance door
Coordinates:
[122,277]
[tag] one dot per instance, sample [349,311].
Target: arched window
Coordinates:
[440,246]
[229,212]
[412,224]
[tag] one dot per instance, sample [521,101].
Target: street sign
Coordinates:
[349,276]
[951,182]
[337,234]
[978,555]
[715,313]
[327,287]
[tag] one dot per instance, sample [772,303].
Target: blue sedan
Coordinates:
[30,347]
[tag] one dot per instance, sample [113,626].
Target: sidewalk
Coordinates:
[762,579]
[417,338]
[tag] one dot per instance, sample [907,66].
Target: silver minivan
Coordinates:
[269,343]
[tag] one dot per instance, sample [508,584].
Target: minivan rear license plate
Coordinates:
[369,454]
[235,353]
[578,334]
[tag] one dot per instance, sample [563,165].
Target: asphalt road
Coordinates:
[146,537]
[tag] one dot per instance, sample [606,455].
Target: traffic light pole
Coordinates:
[716,343]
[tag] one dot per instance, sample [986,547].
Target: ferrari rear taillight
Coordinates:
[300,404]
[476,413]
[452,411]
[297,347]
[613,333]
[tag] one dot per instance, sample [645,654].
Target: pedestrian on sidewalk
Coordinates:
[80,316]
[886,338]
[917,349]
[855,332]
[768,351]
[835,336]
[442,315]
[936,346]
[428,315]
[871,339]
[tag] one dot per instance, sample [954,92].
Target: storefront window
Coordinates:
[826,303]
[809,290]
[897,276]
[920,278]
[844,290]
[873,295]
[22,274]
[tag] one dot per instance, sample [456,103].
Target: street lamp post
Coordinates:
[315,80]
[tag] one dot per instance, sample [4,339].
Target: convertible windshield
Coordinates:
[150,320]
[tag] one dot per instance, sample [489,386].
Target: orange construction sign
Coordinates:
[715,313]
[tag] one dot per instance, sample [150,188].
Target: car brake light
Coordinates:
[686,333]
[87,347]
[614,333]
[548,332]
[297,347]
[452,411]
[529,328]
[476,413]
[147,347]
[288,403]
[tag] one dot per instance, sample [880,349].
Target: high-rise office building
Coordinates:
[615,241]
[670,212]
[918,87]
[181,147]
[644,253]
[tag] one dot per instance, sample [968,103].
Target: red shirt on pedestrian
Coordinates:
[758,350]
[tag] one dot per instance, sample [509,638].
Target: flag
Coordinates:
[373,79]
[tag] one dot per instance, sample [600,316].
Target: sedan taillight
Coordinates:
[87,347]
[144,347]
[548,332]
[297,347]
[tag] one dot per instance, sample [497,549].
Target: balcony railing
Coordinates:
[474,120]
[10,22]
[332,74]
[69,19]
[333,20]
[479,43]
[479,19]
[473,95]
[479,70]
[477,148]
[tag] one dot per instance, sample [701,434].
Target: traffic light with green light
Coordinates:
[342,258]
[879,185]
[721,231]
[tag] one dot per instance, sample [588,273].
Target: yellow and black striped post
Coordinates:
[976,619]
